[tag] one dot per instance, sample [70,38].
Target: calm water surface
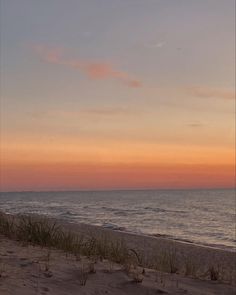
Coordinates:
[200,216]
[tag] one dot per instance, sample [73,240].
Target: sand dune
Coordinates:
[26,269]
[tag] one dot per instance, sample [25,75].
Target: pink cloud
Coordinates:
[94,70]
[51,55]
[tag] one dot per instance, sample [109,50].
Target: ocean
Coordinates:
[205,217]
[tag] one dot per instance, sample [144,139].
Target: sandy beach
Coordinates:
[149,247]
[27,269]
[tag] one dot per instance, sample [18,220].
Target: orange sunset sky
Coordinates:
[117,94]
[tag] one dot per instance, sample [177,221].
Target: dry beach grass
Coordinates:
[45,256]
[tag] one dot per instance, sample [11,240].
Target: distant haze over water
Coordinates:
[200,216]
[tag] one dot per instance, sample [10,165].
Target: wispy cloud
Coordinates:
[156,45]
[195,124]
[94,70]
[96,112]
[208,92]
[110,111]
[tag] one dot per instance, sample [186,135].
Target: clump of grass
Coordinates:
[190,267]
[117,251]
[44,233]
[83,275]
[137,256]
[40,232]
[37,232]
[102,248]
[214,273]
[7,225]
[68,242]
[134,262]
[90,247]
[172,260]
[166,261]
[133,266]
[232,277]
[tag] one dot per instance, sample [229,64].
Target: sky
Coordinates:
[117,94]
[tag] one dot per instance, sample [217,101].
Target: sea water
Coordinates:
[198,216]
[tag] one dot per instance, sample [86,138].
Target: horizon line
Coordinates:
[117,190]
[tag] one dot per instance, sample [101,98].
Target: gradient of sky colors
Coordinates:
[117,94]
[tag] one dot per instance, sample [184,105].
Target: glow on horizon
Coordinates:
[34,168]
[143,103]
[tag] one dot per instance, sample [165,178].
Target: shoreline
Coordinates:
[150,247]
[147,241]
[117,228]
[51,255]
[165,236]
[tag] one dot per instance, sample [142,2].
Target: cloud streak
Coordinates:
[112,111]
[195,124]
[93,70]
[208,92]
[101,112]
[156,45]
